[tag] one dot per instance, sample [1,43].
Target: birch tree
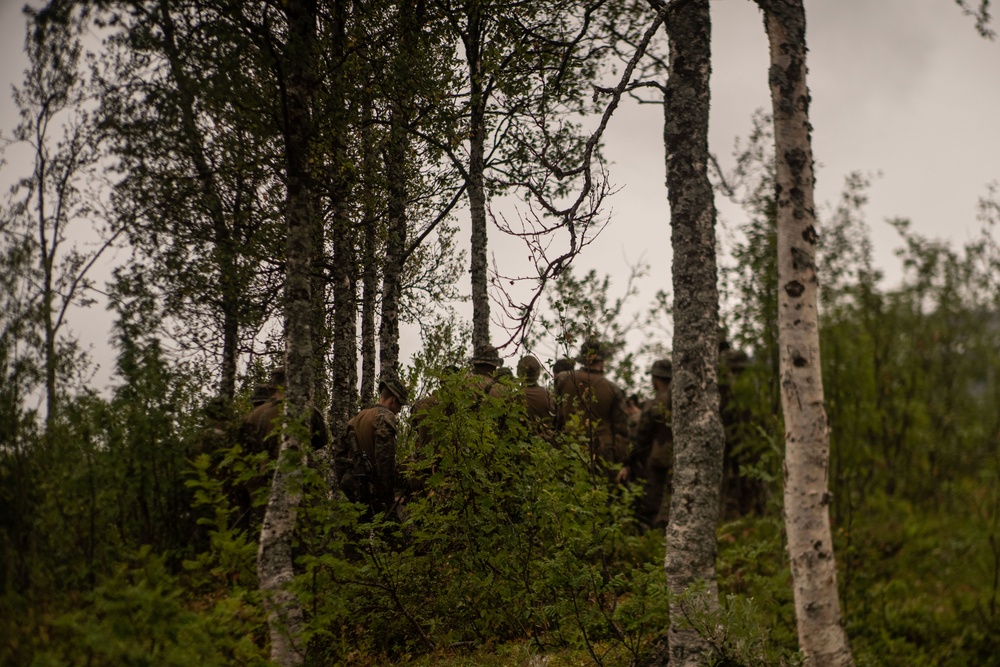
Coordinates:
[340,180]
[274,555]
[526,71]
[807,439]
[408,21]
[697,424]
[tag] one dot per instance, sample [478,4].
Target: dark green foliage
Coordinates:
[91,558]
[138,615]
[505,537]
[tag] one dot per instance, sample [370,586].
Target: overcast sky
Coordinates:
[904,88]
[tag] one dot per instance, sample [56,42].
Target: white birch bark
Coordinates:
[807,444]
[274,555]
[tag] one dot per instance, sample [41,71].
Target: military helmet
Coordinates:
[564,364]
[262,393]
[487,355]
[662,368]
[593,349]
[529,368]
[278,376]
[395,387]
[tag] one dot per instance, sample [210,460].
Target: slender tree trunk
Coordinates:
[369,276]
[274,556]
[807,444]
[224,247]
[47,260]
[322,309]
[476,179]
[48,299]
[394,248]
[697,425]
[397,151]
[344,392]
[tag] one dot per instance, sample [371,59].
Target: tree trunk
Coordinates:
[344,392]
[369,275]
[476,178]
[224,247]
[274,556]
[48,254]
[697,425]
[408,30]
[807,445]
[394,249]
[344,385]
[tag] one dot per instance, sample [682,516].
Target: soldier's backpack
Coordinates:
[354,473]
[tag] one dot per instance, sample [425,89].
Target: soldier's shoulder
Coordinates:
[602,380]
[572,380]
[385,415]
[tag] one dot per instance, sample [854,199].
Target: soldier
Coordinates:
[259,432]
[600,405]
[486,361]
[262,393]
[365,460]
[540,406]
[561,366]
[653,452]
[485,375]
[416,468]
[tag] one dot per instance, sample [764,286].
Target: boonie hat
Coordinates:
[394,386]
[529,368]
[662,368]
[487,355]
[593,349]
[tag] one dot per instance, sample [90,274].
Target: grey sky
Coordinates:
[902,87]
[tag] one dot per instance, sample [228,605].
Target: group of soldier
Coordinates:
[627,441]
[581,399]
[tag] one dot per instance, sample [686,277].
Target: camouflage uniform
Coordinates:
[600,405]
[539,402]
[365,460]
[374,431]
